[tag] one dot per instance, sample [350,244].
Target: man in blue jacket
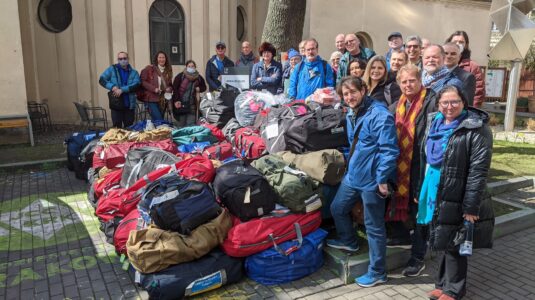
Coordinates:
[372,163]
[123,81]
[311,74]
[216,65]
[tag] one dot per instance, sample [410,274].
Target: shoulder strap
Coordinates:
[355,141]
[324,72]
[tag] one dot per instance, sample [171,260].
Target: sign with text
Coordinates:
[237,77]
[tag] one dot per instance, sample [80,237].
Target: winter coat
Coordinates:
[110,78]
[428,107]
[302,85]
[178,95]
[212,72]
[375,155]
[248,62]
[469,83]
[471,66]
[271,78]
[387,91]
[463,183]
[364,54]
[149,81]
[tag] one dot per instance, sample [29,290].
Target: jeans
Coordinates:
[122,118]
[374,209]
[154,110]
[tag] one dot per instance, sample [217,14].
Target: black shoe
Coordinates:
[414,269]
[398,243]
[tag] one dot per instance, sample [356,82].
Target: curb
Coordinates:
[32,163]
[509,185]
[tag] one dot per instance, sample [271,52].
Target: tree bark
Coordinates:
[284,24]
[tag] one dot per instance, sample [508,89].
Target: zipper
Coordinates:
[278,237]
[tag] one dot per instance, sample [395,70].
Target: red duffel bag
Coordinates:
[256,235]
[220,151]
[109,182]
[249,144]
[122,231]
[216,131]
[115,154]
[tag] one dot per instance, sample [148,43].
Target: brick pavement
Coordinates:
[51,248]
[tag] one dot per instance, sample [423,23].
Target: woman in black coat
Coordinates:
[381,84]
[458,152]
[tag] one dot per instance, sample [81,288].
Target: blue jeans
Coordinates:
[154,110]
[374,210]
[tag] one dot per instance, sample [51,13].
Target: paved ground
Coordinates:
[51,248]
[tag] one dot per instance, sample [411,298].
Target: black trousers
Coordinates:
[451,277]
[123,118]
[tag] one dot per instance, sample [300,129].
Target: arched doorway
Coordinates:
[365,39]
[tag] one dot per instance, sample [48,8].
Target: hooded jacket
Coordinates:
[308,76]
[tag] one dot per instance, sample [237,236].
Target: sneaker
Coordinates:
[414,269]
[339,245]
[369,280]
[398,243]
[434,294]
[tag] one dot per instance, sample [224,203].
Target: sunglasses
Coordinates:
[220,47]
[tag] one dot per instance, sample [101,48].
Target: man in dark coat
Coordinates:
[247,57]
[215,66]
[451,60]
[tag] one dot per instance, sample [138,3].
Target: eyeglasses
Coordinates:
[454,103]
[220,47]
[350,42]
[412,46]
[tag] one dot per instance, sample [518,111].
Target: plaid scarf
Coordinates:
[436,79]
[406,129]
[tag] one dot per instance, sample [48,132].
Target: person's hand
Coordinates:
[471,218]
[157,91]
[178,104]
[197,89]
[415,200]
[259,79]
[168,89]
[117,92]
[219,78]
[383,189]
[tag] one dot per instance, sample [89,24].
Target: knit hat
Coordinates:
[292,53]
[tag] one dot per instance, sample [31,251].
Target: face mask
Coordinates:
[461,47]
[123,63]
[190,70]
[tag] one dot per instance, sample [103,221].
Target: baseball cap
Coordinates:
[394,34]
[220,44]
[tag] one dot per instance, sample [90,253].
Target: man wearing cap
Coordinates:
[247,57]
[354,51]
[294,58]
[215,66]
[395,42]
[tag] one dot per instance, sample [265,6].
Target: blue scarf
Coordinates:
[436,79]
[438,137]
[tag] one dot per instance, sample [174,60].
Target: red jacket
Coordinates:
[471,66]
[149,82]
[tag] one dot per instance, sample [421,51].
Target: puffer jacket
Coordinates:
[212,72]
[374,159]
[110,78]
[471,66]
[463,183]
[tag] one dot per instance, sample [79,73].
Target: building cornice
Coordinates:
[472,3]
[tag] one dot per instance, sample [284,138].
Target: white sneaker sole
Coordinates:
[414,275]
[371,284]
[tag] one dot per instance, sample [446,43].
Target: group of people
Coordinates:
[420,147]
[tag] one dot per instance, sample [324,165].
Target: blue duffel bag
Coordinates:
[288,261]
[209,272]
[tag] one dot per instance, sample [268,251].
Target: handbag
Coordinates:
[115,103]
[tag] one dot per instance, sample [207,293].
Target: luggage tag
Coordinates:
[247,198]
[272,130]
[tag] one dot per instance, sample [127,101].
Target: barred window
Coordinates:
[167,32]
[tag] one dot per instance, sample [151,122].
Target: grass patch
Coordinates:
[511,160]
[21,153]
[501,209]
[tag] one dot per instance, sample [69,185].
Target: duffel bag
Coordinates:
[216,131]
[192,134]
[115,154]
[247,238]
[322,129]
[123,229]
[296,190]
[220,151]
[85,160]
[212,271]
[108,228]
[109,182]
[275,124]
[178,204]
[196,147]
[288,261]
[326,166]
[218,107]
[230,130]
[141,161]
[75,143]
[244,190]
[152,249]
[249,144]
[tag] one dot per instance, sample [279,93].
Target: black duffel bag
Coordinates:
[244,190]
[324,128]
[218,107]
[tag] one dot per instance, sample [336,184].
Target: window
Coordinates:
[240,24]
[167,33]
[55,15]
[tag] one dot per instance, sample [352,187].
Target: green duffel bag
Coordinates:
[326,166]
[297,191]
[192,134]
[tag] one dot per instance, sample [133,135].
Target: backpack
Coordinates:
[152,249]
[85,160]
[247,238]
[243,190]
[212,271]
[75,143]
[288,261]
[230,130]
[322,129]
[249,144]
[122,231]
[178,204]
[326,166]
[220,151]
[191,134]
[296,190]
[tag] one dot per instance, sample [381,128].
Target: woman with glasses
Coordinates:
[457,152]
[381,86]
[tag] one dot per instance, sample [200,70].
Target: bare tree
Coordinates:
[284,23]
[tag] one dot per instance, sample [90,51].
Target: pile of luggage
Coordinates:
[199,207]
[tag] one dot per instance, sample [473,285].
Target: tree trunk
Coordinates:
[284,23]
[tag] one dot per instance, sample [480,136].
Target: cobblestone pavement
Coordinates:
[51,248]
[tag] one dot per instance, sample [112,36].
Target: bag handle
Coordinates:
[293,248]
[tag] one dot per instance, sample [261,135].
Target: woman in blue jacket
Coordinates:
[267,73]
[372,163]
